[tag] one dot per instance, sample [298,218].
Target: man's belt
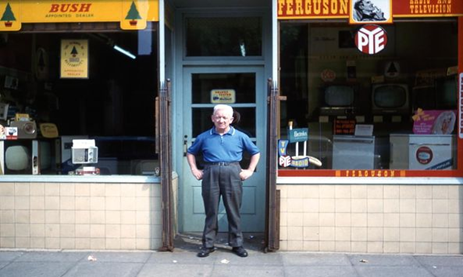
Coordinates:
[222,163]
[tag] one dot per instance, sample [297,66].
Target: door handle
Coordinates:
[185,145]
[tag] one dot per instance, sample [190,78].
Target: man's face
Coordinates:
[222,120]
[367,7]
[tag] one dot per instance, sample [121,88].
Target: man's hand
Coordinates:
[245,174]
[197,173]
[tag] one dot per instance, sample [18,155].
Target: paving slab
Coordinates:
[264,260]
[121,257]
[392,271]
[6,256]
[325,259]
[375,260]
[180,257]
[99,269]
[3,264]
[449,271]
[320,271]
[51,256]
[176,270]
[434,260]
[36,269]
[247,270]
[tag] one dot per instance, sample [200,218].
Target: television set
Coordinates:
[441,95]
[49,156]
[18,158]
[338,99]
[26,157]
[390,98]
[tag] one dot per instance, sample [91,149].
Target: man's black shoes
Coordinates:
[240,251]
[205,252]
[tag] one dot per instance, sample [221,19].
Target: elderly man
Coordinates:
[222,147]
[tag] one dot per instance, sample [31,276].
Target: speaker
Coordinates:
[26,129]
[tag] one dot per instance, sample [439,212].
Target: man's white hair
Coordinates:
[225,108]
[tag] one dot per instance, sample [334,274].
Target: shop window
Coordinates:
[394,111]
[113,105]
[224,36]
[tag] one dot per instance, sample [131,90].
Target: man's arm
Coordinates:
[192,163]
[246,173]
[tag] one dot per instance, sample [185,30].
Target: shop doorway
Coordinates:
[244,89]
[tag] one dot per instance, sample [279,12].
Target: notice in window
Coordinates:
[74,58]
[344,126]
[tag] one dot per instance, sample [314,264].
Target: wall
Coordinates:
[97,216]
[395,218]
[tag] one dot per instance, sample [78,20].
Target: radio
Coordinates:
[84,151]
[26,129]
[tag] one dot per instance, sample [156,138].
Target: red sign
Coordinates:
[424,155]
[426,8]
[344,126]
[371,39]
[306,9]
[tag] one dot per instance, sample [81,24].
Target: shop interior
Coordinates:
[335,90]
[113,107]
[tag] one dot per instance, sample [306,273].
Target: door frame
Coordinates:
[181,62]
[190,186]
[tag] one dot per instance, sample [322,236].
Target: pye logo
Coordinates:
[371,39]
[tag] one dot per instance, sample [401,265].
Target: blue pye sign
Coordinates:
[296,135]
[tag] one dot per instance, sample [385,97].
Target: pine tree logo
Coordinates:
[74,52]
[133,14]
[8,16]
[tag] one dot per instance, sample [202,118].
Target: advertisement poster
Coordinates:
[434,121]
[74,58]
[378,11]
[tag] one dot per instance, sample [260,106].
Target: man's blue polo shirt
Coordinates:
[226,148]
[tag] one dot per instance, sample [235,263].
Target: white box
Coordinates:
[423,152]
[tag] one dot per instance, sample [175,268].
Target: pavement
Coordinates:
[183,262]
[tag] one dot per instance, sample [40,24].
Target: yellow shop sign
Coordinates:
[132,14]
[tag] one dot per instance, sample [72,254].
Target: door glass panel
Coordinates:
[244,106]
[244,85]
[232,36]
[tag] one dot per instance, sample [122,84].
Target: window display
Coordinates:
[332,87]
[113,105]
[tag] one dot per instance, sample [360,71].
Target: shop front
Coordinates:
[95,133]
[79,164]
[368,155]
[100,100]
